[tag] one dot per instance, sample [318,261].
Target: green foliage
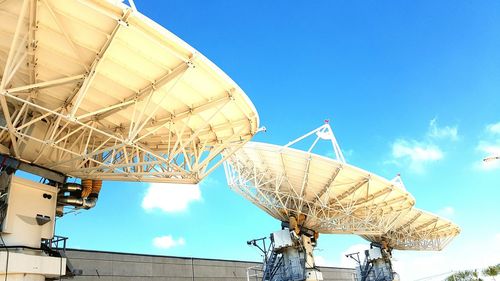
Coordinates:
[492,271]
[473,275]
[466,275]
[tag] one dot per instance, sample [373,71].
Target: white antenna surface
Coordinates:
[94,89]
[333,196]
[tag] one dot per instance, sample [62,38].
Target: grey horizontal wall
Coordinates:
[107,266]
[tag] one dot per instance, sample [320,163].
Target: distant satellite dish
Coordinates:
[96,90]
[418,230]
[331,196]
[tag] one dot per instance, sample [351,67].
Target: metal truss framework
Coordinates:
[418,230]
[115,98]
[335,197]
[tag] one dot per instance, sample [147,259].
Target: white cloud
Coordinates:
[418,153]
[493,128]
[489,146]
[171,198]
[489,151]
[447,211]
[445,132]
[167,242]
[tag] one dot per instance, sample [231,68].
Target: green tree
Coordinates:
[492,271]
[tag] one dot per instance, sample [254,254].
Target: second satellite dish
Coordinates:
[323,194]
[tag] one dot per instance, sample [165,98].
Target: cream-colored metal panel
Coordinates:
[98,90]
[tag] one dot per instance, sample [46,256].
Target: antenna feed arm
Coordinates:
[89,202]
[80,196]
[85,203]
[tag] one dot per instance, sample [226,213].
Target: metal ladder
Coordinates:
[270,266]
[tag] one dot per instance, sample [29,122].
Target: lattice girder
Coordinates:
[336,197]
[94,89]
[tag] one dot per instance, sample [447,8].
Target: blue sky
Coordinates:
[409,87]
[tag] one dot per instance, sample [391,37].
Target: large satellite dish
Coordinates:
[312,194]
[418,230]
[94,89]
[332,196]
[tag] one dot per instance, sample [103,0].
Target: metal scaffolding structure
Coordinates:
[95,90]
[312,194]
[117,97]
[334,197]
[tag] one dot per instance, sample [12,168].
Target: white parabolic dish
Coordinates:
[94,89]
[335,197]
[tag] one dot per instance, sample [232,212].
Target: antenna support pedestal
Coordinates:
[289,257]
[377,264]
[27,213]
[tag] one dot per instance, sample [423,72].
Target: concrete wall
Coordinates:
[107,266]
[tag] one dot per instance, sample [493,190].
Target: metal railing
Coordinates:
[56,243]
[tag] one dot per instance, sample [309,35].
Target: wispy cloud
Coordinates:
[446,132]
[488,149]
[489,145]
[493,128]
[167,242]
[171,198]
[417,153]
